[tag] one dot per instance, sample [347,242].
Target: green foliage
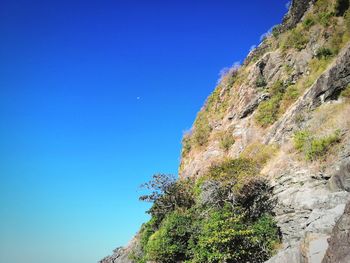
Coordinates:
[233,170]
[267,112]
[167,195]
[301,139]
[238,229]
[347,20]
[170,242]
[256,198]
[260,82]
[346,92]
[295,38]
[186,144]
[314,147]
[324,18]
[227,237]
[226,141]
[202,129]
[276,31]
[308,22]
[259,152]
[323,52]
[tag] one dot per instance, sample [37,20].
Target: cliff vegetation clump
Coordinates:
[225,216]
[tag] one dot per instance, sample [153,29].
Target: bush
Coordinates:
[347,20]
[267,112]
[170,243]
[291,94]
[313,147]
[301,139]
[256,198]
[325,18]
[346,92]
[296,38]
[224,217]
[276,30]
[308,22]
[216,194]
[320,146]
[233,171]
[202,129]
[259,152]
[226,237]
[323,52]
[226,141]
[186,145]
[168,194]
[260,82]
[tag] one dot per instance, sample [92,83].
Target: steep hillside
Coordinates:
[264,174]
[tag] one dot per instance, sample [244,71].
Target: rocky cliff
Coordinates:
[288,108]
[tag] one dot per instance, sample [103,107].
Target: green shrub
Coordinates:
[302,139]
[234,224]
[226,141]
[260,82]
[202,129]
[276,30]
[347,20]
[233,170]
[226,237]
[346,92]
[167,195]
[323,52]
[259,152]
[267,112]
[308,22]
[314,147]
[277,88]
[186,144]
[320,146]
[170,242]
[147,229]
[256,198]
[324,18]
[296,38]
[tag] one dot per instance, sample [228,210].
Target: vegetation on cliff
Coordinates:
[225,216]
[327,23]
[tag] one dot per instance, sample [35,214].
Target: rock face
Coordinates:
[296,12]
[122,254]
[339,243]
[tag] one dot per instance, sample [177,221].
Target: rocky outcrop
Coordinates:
[296,12]
[341,179]
[122,254]
[339,243]
[326,87]
[291,19]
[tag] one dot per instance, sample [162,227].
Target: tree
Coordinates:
[167,194]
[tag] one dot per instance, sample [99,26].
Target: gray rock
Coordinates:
[341,179]
[339,243]
[327,87]
[289,255]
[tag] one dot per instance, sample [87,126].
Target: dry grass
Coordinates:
[260,153]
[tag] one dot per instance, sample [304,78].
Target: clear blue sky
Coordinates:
[94,98]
